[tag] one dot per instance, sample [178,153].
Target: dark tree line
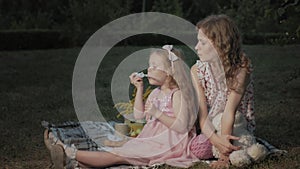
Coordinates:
[85,16]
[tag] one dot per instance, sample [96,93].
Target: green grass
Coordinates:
[36,85]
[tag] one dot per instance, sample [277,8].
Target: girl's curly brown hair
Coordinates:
[225,36]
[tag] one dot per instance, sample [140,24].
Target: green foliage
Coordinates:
[80,18]
[195,10]
[253,16]
[86,16]
[20,14]
[168,6]
[92,14]
[38,38]
[42,20]
[246,13]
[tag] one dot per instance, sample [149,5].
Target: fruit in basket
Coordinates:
[138,131]
[133,134]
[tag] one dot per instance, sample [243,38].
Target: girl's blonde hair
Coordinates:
[181,77]
[225,36]
[179,74]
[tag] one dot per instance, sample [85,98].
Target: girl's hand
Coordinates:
[222,143]
[136,80]
[152,110]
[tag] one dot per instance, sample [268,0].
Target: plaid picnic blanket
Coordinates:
[86,135]
[90,135]
[272,149]
[72,133]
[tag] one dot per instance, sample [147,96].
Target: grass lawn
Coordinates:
[36,85]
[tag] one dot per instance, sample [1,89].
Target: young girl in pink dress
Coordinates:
[170,110]
[222,78]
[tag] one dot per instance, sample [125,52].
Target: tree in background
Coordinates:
[195,10]
[86,16]
[287,15]
[168,6]
[31,14]
[79,18]
[265,17]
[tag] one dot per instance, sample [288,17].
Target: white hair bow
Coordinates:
[172,56]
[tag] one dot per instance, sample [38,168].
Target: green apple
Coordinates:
[138,131]
[133,134]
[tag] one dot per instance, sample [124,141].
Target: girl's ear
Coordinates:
[171,81]
[169,78]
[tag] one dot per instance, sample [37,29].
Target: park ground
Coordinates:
[36,85]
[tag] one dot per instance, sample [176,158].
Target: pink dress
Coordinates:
[216,101]
[158,144]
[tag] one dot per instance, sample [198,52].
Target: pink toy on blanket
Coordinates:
[201,147]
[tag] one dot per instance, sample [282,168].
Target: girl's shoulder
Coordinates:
[242,80]
[243,75]
[199,69]
[195,68]
[199,65]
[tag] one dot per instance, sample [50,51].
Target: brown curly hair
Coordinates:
[225,36]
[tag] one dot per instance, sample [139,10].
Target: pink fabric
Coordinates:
[158,144]
[201,147]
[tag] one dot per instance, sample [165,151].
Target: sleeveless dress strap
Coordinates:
[171,96]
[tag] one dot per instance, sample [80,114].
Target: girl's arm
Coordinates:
[184,114]
[179,123]
[221,142]
[166,120]
[205,124]
[138,107]
[233,102]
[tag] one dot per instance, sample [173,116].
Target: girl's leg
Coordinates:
[99,159]
[90,158]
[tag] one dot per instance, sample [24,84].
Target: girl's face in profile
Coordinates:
[156,72]
[205,48]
